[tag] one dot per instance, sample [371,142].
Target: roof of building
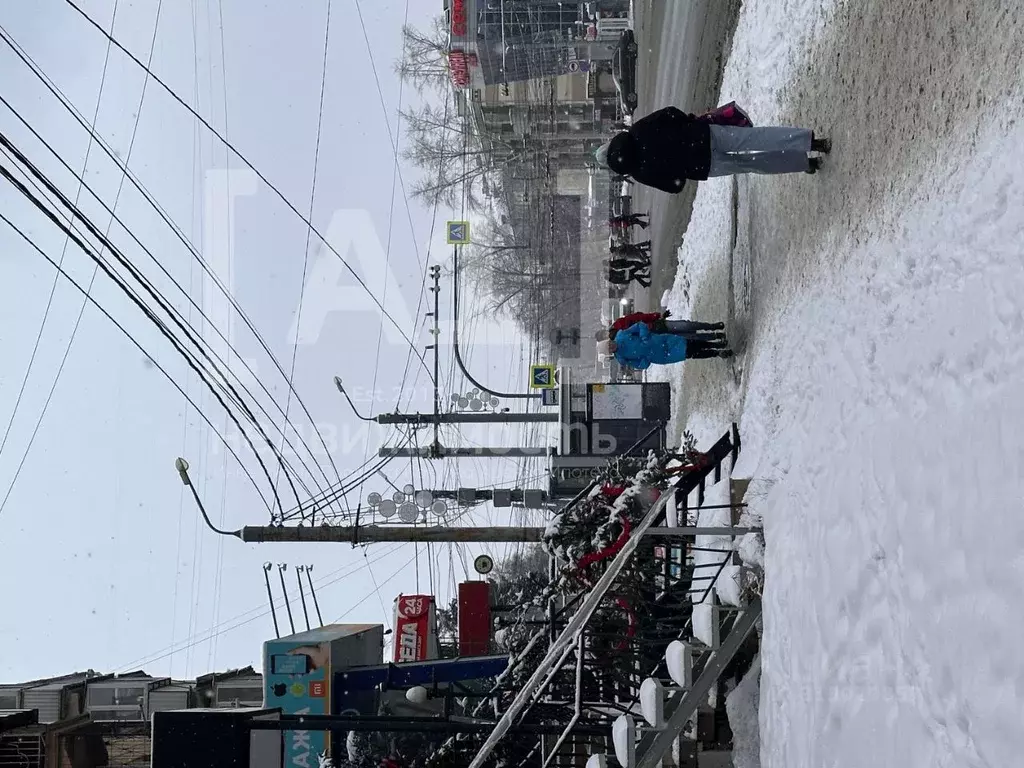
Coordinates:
[219,677]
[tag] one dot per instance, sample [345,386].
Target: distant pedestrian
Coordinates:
[638,259]
[628,249]
[629,265]
[622,223]
[636,347]
[641,275]
[667,147]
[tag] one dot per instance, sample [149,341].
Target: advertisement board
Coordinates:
[415,629]
[617,401]
[297,675]
[460,64]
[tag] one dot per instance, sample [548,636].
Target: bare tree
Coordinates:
[455,162]
[424,60]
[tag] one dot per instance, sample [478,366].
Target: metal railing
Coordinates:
[550,677]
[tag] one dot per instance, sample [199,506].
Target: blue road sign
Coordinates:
[458,232]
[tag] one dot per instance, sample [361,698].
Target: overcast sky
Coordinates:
[109,568]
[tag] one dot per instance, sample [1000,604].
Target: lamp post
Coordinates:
[182,466]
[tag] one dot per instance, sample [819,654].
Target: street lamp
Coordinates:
[341,388]
[182,467]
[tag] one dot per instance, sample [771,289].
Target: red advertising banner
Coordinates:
[415,628]
[459,64]
[458,13]
[474,618]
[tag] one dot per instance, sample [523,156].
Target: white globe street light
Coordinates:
[417,695]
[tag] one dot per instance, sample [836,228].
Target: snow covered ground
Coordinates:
[741,706]
[878,314]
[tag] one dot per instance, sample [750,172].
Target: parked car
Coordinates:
[624,71]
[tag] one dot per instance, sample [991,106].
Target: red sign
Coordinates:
[474,618]
[459,18]
[415,628]
[318,689]
[459,63]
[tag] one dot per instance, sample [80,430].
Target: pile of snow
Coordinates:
[741,706]
[877,388]
[879,394]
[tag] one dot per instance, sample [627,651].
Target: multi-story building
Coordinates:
[504,41]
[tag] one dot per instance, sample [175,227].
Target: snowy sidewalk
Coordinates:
[880,307]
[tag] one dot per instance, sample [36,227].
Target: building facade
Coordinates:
[505,41]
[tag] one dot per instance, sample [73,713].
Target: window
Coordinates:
[9,699]
[239,695]
[118,696]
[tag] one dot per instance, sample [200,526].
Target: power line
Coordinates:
[81,309]
[291,206]
[341,490]
[245,618]
[172,312]
[64,249]
[395,138]
[146,311]
[312,199]
[395,143]
[131,338]
[377,590]
[178,232]
[197,151]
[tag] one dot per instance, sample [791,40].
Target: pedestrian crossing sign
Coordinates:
[542,377]
[458,233]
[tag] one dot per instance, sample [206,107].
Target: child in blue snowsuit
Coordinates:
[636,347]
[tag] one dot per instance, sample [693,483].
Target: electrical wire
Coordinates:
[382,461]
[138,345]
[395,138]
[64,248]
[81,310]
[312,199]
[376,591]
[146,311]
[171,311]
[176,230]
[262,177]
[166,305]
[245,618]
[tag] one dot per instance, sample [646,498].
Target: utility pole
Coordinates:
[438,451]
[371,534]
[436,272]
[467,418]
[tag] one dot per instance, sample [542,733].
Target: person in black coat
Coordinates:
[667,147]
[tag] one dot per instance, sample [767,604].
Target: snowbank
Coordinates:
[880,309]
[741,706]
